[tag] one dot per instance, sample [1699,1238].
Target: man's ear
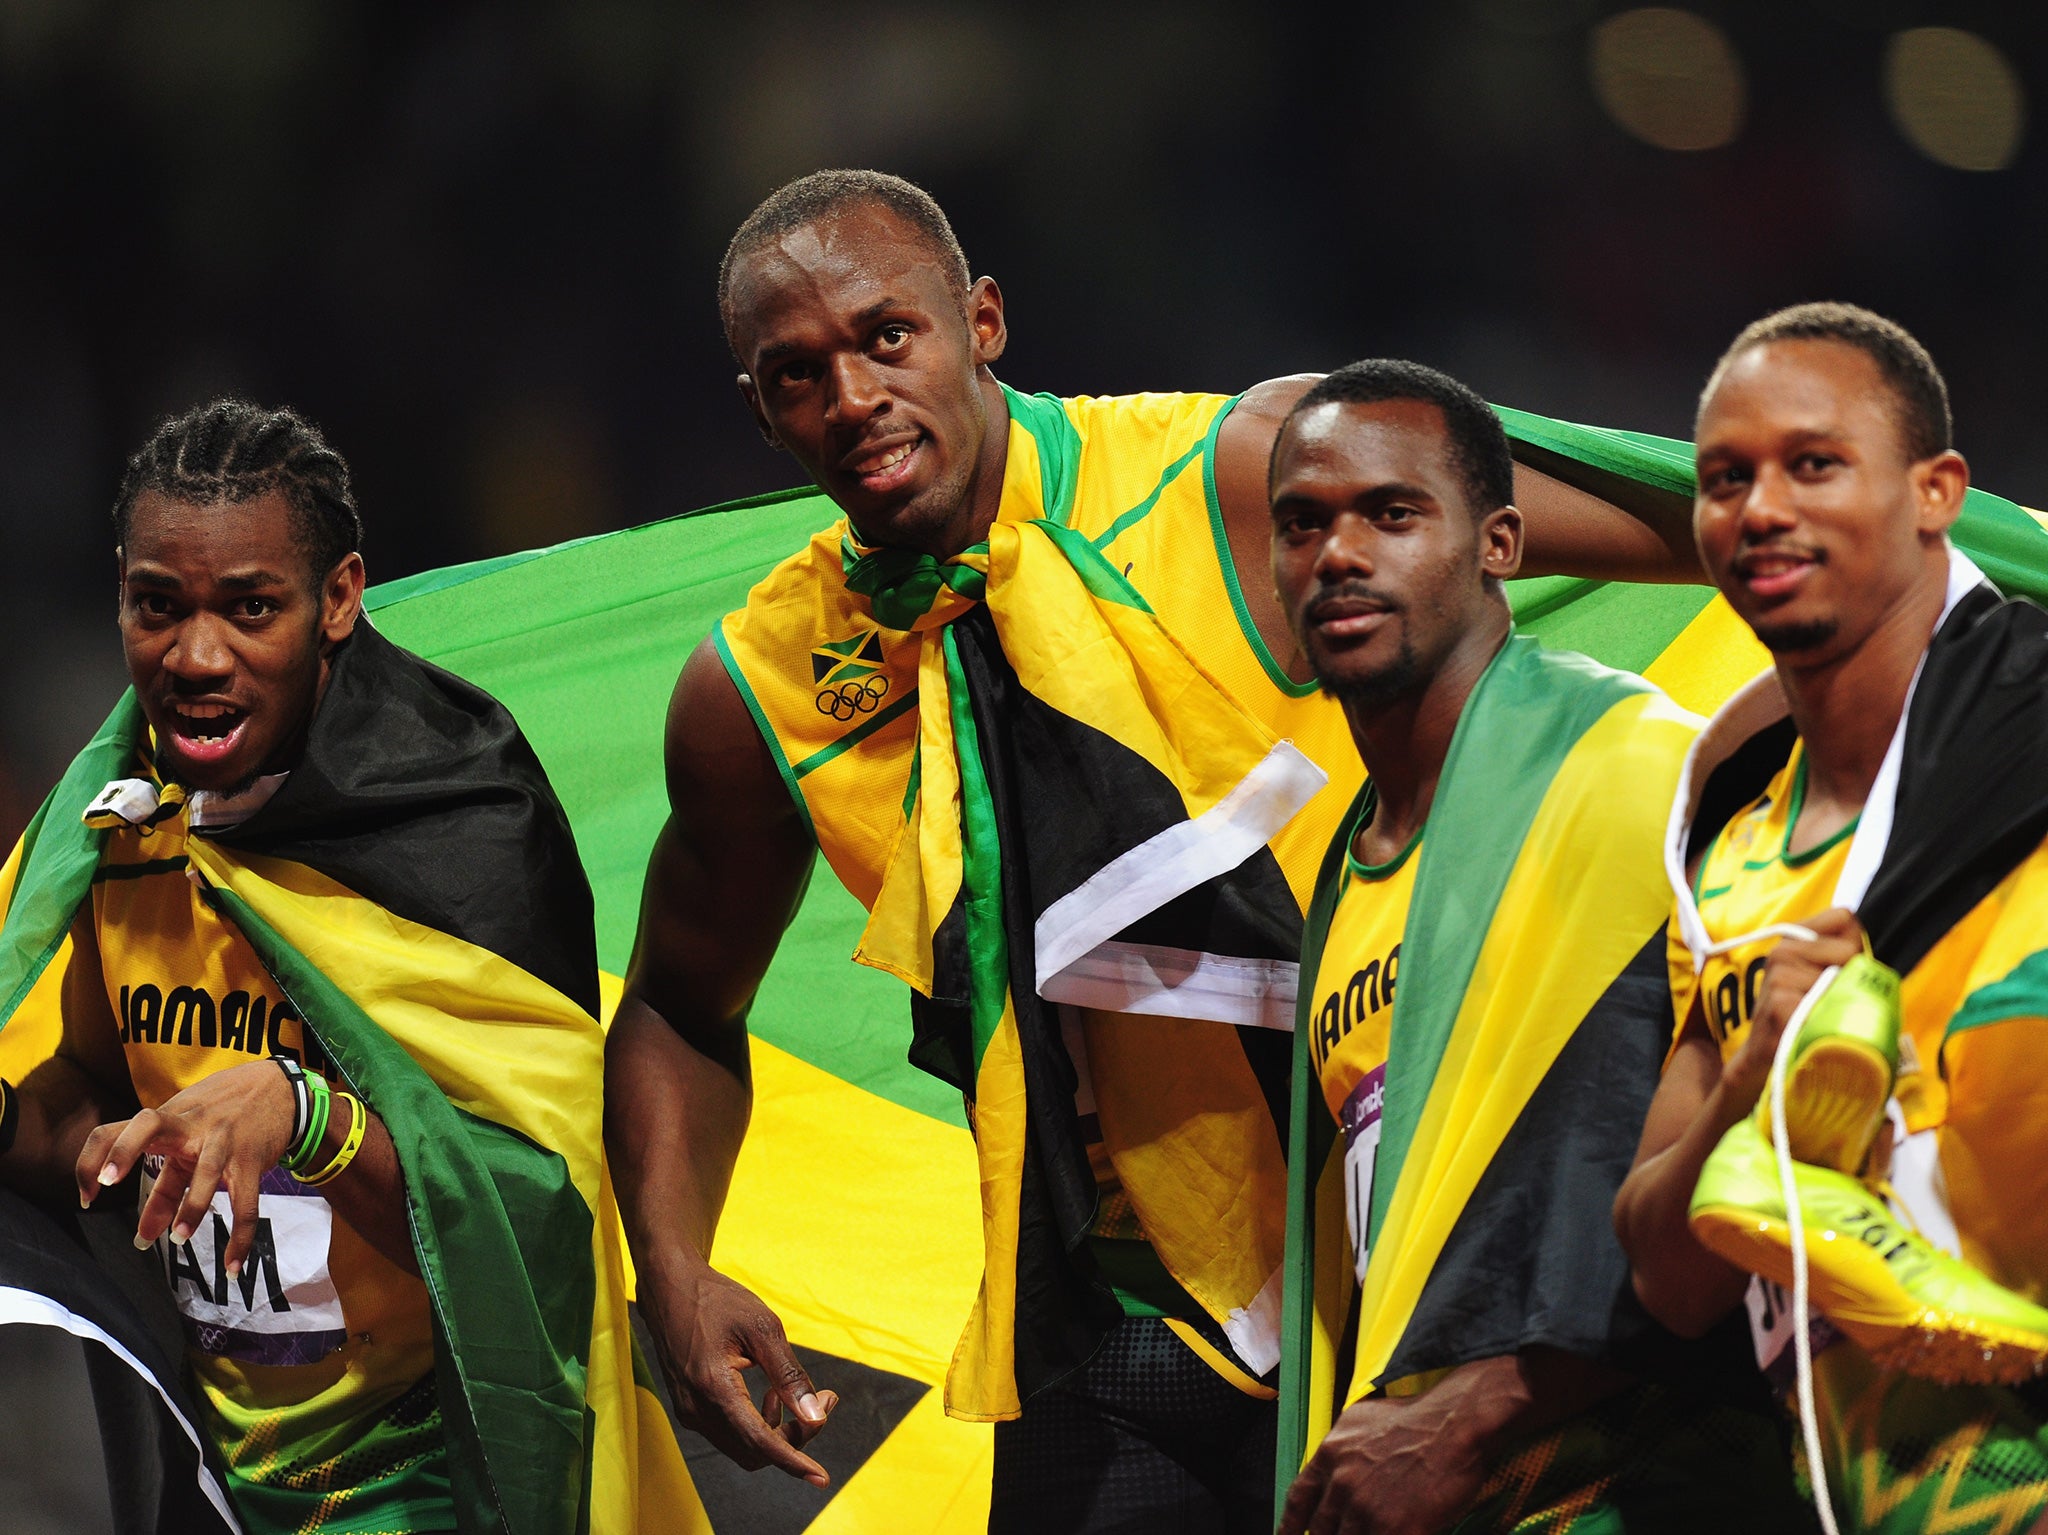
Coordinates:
[753,398]
[1939,485]
[341,599]
[1500,543]
[985,322]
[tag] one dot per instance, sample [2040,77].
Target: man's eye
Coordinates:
[791,374]
[893,334]
[153,605]
[254,608]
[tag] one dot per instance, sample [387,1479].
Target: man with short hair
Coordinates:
[1858,861]
[1481,1016]
[316,892]
[1024,587]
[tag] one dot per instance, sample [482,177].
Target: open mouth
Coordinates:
[886,468]
[206,733]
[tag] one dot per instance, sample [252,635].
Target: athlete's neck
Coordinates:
[1404,742]
[1847,707]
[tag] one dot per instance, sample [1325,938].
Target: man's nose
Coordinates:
[1346,550]
[1770,507]
[858,393]
[201,652]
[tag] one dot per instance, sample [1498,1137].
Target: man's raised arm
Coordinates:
[727,874]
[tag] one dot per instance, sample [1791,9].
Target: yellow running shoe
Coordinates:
[1842,1068]
[1909,1305]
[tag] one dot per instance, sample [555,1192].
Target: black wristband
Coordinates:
[302,1099]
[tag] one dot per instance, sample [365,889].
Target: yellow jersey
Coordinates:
[317,1362]
[1901,1450]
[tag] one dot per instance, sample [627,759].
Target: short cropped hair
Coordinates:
[1479,443]
[230,451]
[809,199]
[1918,389]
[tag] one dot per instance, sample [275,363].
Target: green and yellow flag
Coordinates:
[855,1210]
[415,891]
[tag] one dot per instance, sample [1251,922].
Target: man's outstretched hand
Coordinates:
[707,1329]
[223,1132]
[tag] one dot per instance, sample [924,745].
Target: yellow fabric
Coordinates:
[511,1049]
[1713,656]
[1745,882]
[1982,1094]
[1587,886]
[1196,1152]
[981,1385]
[1218,1361]
[31,1035]
[1360,971]
[156,935]
[1192,1144]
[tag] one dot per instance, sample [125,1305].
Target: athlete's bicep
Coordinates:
[728,869]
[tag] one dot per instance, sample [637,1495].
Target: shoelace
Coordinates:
[1781,1147]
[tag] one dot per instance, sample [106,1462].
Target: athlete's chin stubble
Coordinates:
[1376,690]
[1792,639]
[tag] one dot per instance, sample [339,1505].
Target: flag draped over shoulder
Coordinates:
[855,1207]
[415,890]
[1532,970]
[1074,780]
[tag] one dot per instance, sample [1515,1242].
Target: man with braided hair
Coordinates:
[312,887]
[1027,706]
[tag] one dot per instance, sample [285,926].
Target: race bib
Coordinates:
[283,1307]
[1360,1118]
[1771,1329]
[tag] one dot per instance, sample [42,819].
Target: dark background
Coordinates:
[478,243]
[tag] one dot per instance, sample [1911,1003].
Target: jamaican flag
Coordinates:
[855,1207]
[1526,1041]
[415,890]
[1074,780]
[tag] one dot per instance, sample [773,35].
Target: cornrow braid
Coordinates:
[230,450]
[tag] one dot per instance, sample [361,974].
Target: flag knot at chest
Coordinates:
[911,591]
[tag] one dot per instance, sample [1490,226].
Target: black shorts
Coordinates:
[1145,1437]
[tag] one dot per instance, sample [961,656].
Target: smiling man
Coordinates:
[311,886]
[1026,658]
[1479,1027]
[1881,794]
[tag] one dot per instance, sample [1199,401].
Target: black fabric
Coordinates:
[418,792]
[1973,780]
[152,1466]
[1066,799]
[1145,1440]
[1533,1259]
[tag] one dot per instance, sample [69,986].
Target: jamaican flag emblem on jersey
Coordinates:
[415,891]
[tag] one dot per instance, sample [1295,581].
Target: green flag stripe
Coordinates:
[1516,731]
[981,869]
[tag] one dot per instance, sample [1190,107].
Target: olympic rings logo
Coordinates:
[858,696]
